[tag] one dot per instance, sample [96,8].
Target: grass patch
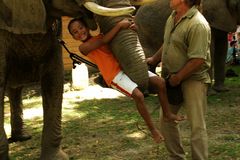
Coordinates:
[105,129]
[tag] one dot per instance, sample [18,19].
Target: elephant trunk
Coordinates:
[126,46]
[214,15]
[129,52]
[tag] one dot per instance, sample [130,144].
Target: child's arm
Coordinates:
[87,47]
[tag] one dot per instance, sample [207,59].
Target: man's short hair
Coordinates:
[193,2]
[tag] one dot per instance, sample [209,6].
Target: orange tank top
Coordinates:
[105,60]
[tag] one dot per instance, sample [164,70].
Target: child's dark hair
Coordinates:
[78,19]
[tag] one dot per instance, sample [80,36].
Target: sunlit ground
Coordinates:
[89,93]
[92,119]
[100,123]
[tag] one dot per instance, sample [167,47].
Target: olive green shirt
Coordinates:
[189,38]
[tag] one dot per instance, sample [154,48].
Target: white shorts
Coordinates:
[124,84]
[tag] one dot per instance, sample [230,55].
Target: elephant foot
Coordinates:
[220,88]
[4,152]
[19,138]
[60,155]
[4,157]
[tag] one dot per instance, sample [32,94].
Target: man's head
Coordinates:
[191,3]
[174,4]
[78,29]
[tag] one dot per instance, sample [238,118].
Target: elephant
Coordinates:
[30,52]
[222,15]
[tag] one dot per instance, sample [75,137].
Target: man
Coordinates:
[185,56]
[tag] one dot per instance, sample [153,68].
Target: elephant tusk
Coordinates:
[104,11]
[141,2]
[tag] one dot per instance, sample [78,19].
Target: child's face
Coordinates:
[79,31]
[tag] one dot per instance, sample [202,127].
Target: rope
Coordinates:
[75,58]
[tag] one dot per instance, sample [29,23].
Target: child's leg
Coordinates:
[138,97]
[157,84]
[124,84]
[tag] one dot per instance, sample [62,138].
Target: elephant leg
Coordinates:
[219,51]
[52,90]
[3,137]
[17,126]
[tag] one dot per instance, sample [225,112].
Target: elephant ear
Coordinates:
[73,8]
[147,23]
[234,7]
[232,4]
[238,12]
[219,15]
[28,16]
[89,19]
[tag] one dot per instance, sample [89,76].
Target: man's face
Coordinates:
[79,31]
[174,4]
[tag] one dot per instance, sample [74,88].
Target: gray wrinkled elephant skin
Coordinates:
[29,52]
[222,15]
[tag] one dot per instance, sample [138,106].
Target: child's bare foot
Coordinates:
[157,136]
[174,117]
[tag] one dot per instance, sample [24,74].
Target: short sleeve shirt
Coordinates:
[104,59]
[189,38]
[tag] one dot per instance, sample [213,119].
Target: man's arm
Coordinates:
[87,47]
[190,67]
[156,58]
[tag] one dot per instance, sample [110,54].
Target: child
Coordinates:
[97,50]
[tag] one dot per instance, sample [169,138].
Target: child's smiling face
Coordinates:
[79,31]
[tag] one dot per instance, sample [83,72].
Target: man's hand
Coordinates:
[174,80]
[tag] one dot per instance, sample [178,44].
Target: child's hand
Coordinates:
[125,23]
[133,27]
